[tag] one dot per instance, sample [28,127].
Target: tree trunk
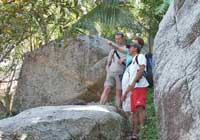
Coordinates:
[150,41]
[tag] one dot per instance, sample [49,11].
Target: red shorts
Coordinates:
[138,98]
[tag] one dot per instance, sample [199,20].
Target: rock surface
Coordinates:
[65,123]
[62,71]
[177,72]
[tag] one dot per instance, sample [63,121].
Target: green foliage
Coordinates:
[150,13]
[28,24]
[161,9]
[149,131]
[113,15]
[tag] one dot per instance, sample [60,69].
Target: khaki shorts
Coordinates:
[114,79]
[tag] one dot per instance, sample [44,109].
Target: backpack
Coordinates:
[148,74]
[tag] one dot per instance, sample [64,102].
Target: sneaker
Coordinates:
[134,137]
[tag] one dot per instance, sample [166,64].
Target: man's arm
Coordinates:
[109,60]
[114,46]
[138,75]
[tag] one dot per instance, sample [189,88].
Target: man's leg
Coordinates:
[107,88]
[118,90]
[104,96]
[141,115]
[118,97]
[135,122]
[141,106]
[128,115]
[135,114]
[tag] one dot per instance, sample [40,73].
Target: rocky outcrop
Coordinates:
[65,123]
[61,71]
[177,72]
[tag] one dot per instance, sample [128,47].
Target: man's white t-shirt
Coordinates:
[134,67]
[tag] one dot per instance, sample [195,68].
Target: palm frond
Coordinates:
[163,7]
[110,12]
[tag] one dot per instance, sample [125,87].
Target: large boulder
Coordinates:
[65,123]
[177,72]
[69,69]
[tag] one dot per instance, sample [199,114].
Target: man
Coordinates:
[114,68]
[138,88]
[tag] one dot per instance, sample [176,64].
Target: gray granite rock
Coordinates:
[65,123]
[62,71]
[177,72]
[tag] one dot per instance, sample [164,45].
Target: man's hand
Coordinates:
[124,96]
[112,45]
[129,89]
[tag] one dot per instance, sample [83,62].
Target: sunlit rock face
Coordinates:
[177,72]
[65,123]
[64,70]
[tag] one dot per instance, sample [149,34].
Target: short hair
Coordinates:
[119,33]
[140,40]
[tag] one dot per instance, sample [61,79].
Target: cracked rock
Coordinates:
[177,72]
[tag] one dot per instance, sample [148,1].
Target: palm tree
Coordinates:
[114,14]
[140,16]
